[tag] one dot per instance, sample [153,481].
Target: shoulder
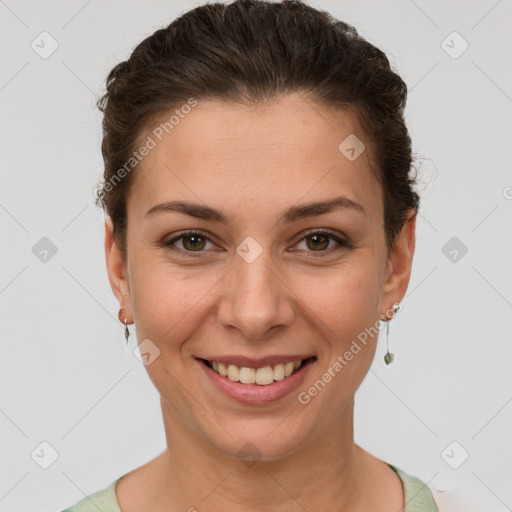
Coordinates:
[418,496]
[104,500]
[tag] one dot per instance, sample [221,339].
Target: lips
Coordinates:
[265,391]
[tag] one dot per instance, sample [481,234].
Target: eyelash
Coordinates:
[342,243]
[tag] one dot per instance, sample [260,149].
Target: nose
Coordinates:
[255,298]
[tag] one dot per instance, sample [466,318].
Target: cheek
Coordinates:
[169,302]
[345,309]
[169,308]
[346,312]
[345,299]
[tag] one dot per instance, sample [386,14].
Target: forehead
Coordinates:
[282,151]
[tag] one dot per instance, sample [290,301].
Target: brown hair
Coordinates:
[252,51]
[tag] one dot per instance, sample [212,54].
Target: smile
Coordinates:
[260,384]
[262,376]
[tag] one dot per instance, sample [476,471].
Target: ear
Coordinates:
[116,268]
[398,270]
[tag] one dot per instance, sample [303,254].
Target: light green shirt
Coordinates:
[418,497]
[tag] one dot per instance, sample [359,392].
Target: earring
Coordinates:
[126,331]
[388,357]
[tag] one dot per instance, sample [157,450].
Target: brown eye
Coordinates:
[193,242]
[190,242]
[320,242]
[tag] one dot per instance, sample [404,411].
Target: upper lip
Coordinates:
[257,362]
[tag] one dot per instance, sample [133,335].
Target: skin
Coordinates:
[252,163]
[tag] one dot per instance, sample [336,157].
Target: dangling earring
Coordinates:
[126,331]
[388,357]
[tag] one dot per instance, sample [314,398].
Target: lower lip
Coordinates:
[254,393]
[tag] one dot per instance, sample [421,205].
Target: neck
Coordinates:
[194,474]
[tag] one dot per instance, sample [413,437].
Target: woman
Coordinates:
[260,232]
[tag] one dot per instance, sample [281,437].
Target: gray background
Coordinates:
[68,379]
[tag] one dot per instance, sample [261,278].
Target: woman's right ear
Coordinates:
[116,268]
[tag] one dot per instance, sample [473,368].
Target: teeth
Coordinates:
[233,373]
[261,376]
[264,376]
[279,371]
[246,376]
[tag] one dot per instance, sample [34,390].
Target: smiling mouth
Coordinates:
[262,376]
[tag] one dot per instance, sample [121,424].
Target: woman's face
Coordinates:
[258,283]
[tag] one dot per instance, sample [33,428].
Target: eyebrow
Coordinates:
[292,214]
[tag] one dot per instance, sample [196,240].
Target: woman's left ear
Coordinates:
[399,266]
